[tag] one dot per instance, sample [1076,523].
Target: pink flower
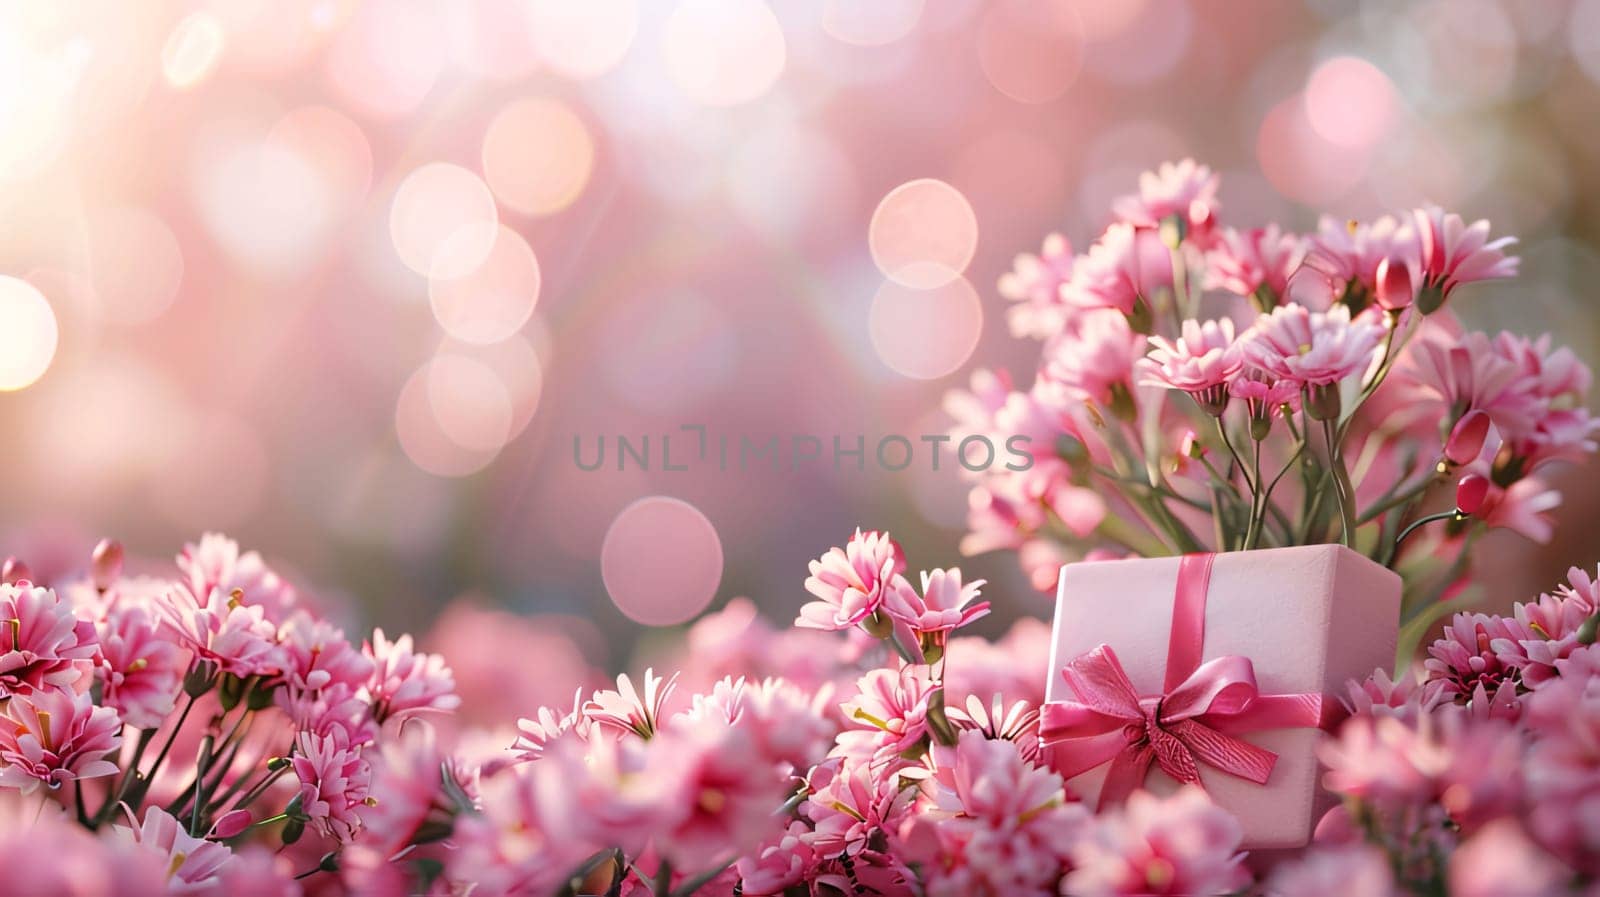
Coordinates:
[1345,255]
[535,734]
[1018,725]
[1256,262]
[852,804]
[1355,870]
[1182,844]
[1562,767]
[55,737]
[1200,362]
[598,792]
[512,848]
[316,654]
[894,704]
[215,562]
[1121,271]
[1464,660]
[224,631]
[406,682]
[782,862]
[626,710]
[140,672]
[1544,631]
[42,644]
[1554,386]
[1454,253]
[944,605]
[1378,695]
[1455,375]
[850,583]
[1263,395]
[789,727]
[1387,760]
[1314,348]
[193,865]
[334,783]
[1523,507]
[57,858]
[1095,359]
[727,791]
[1004,825]
[1185,189]
[1034,283]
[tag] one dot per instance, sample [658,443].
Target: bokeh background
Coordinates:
[346,278]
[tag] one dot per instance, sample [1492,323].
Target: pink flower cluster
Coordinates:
[1206,387]
[893,756]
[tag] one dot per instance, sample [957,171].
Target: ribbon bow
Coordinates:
[1194,720]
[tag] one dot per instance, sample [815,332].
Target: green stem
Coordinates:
[1343,490]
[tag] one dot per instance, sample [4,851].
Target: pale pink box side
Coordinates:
[1310,618]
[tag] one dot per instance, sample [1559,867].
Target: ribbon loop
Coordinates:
[1193,721]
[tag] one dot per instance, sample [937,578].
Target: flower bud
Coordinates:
[231,825]
[1173,229]
[1323,402]
[1470,493]
[1394,285]
[14,571]
[105,565]
[1466,439]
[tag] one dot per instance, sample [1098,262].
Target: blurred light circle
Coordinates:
[1471,50]
[870,24]
[723,52]
[582,40]
[515,363]
[786,180]
[1012,174]
[115,420]
[923,233]
[1103,21]
[927,333]
[134,264]
[495,299]
[332,144]
[35,104]
[216,476]
[423,438]
[469,403]
[265,204]
[268,37]
[491,39]
[193,49]
[1349,101]
[1301,163]
[661,561]
[537,156]
[386,59]
[1030,50]
[27,334]
[443,221]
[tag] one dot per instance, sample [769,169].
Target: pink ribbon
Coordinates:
[1195,720]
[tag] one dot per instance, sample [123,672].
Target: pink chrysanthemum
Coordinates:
[1018,724]
[1544,631]
[511,848]
[536,734]
[1255,262]
[54,737]
[1523,507]
[406,682]
[629,710]
[781,863]
[1351,870]
[727,792]
[216,562]
[1346,254]
[1554,385]
[1094,359]
[1121,271]
[851,805]
[1201,362]
[1562,767]
[1378,695]
[944,605]
[334,783]
[140,672]
[1313,348]
[316,654]
[1465,659]
[223,630]
[1185,188]
[1454,253]
[893,704]
[849,583]
[193,865]
[1183,844]
[43,645]
[1034,283]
